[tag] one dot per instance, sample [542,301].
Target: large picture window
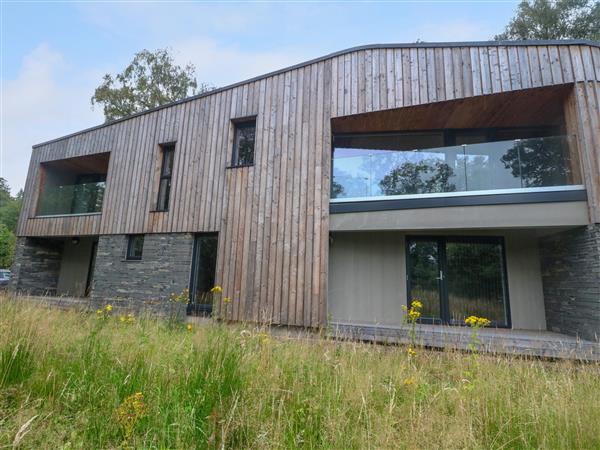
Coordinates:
[166,173]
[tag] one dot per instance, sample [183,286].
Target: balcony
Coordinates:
[83,198]
[72,186]
[378,167]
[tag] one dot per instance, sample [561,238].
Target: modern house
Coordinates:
[335,191]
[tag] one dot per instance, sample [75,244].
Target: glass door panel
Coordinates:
[475,280]
[203,274]
[455,277]
[424,276]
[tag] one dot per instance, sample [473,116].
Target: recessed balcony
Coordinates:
[73,186]
[384,166]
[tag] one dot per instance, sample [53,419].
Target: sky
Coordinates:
[54,54]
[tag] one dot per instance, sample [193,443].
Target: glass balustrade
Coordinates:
[515,164]
[84,198]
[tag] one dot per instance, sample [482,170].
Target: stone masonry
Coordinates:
[165,268]
[571,278]
[37,266]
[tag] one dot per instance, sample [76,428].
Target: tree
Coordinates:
[561,19]
[10,207]
[418,178]
[7,247]
[539,162]
[150,80]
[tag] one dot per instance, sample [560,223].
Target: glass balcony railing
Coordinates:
[84,198]
[491,166]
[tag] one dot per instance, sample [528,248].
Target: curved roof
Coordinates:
[333,55]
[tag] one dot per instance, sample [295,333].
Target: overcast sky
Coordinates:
[54,54]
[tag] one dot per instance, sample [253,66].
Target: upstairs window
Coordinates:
[166,171]
[135,247]
[243,143]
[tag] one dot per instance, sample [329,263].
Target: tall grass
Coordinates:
[223,386]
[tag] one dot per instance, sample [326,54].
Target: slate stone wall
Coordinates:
[37,266]
[571,278]
[165,268]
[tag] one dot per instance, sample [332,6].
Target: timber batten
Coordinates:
[273,217]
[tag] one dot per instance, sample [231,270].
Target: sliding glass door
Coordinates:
[455,277]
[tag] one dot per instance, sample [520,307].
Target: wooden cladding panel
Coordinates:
[272,217]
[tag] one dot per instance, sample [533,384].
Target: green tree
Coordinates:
[561,19]
[10,207]
[7,247]
[150,80]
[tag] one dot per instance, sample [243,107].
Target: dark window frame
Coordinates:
[129,255]
[167,149]
[245,122]
[441,242]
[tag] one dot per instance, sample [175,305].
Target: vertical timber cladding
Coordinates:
[272,217]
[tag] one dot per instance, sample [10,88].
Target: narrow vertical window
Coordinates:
[166,171]
[243,143]
[135,247]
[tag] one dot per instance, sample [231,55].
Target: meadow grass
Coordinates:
[65,375]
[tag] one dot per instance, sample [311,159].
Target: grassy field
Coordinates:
[70,380]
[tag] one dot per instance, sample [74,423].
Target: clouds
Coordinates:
[220,65]
[48,98]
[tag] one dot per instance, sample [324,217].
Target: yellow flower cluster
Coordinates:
[227,300]
[189,327]
[479,322]
[130,411]
[414,311]
[216,290]
[126,318]
[104,313]
[409,382]
[411,352]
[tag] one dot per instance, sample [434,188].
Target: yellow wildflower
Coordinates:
[99,311]
[122,318]
[227,300]
[411,352]
[109,308]
[189,327]
[483,322]
[217,289]
[409,381]
[264,338]
[416,304]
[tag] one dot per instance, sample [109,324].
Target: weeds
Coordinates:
[233,386]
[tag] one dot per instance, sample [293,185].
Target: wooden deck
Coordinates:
[544,344]
[497,340]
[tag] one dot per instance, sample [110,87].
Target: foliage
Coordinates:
[150,80]
[561,19]
[7,247]
[224,386]
[10,207]
[416,178]
[538,162]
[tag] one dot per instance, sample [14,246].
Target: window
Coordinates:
[135,246]
[243,143]
[458,276]
[166,171]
